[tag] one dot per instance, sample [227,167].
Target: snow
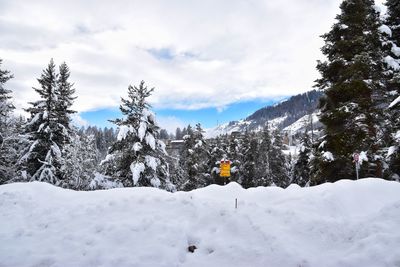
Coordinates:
[397,136]
[322,145]
[395,102]
[142,130]
[104,182]
[348,223]
[123,132]
[152,162]
[108,158]
[137,146]
[391,151]
[396,50]
[150,140]
[137,168]
[328,156]
[302,123]
[385,29]
[363,157]
[392,63]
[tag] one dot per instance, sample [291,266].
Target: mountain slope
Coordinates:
[279,116]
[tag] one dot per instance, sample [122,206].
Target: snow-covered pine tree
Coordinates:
[351,77]
[81,160]
[235,155]
[277,162]
[217,153]
[137,158]
[42,160]
[391,31]
[301,171]
[65,98]
[249,168]
[47,134]
[7,158]
[6,107]
[264,175]
[194,159]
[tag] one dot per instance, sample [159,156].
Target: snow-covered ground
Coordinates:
[343,224]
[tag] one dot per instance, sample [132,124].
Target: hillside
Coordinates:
[281,115]
[349,223]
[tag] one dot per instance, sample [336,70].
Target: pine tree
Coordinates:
[7,134]
[352,81]
[249,168]
[6,107]
[138,157]
[301,172]
[48,131]
[235,155]
[65,98]
[264,176]
[81,159]
[392,59]
[194,159]
[277,162]
[218,152]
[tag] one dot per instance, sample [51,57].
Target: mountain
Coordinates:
[293,111]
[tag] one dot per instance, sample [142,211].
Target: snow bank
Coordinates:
[343,224]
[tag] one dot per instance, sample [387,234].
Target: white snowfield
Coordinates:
[347,223]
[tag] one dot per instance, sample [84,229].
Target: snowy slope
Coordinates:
[303,123]
[343,224]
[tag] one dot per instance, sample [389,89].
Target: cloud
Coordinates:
[78,121]
[170,123]
[196,54]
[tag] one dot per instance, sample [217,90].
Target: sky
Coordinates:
[210,61]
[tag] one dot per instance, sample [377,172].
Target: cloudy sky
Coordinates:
[209,60]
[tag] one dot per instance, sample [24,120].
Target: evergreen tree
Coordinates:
[65,98]
[7,133]
[194,159]
[301,172]
[235,155]
[178,134]
[42,160]
[138,157]
[48,131]
[277,162]
[352,81]
[264,176]
[6,107]
[217,153]
[81,159]
[392,59]
[249,168]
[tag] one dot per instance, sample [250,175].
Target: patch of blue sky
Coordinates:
[208,117]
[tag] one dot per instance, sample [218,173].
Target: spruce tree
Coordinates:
[138,157]
[264,175]
[218,152]
[6,107]
[65,97]
[392,59]
[194,159]
[235,155]
[7,135]
[42,160]
[249,168]
[47,131]
[277,162]
[352,81]
[301,172]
